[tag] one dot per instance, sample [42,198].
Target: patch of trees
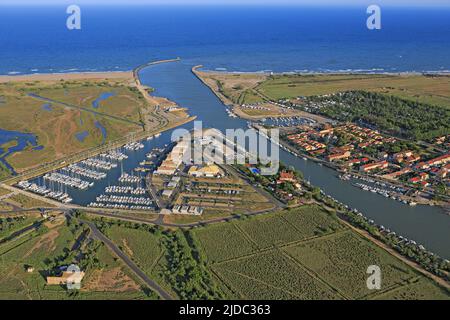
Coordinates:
[399,117]
[69,255]
[186,268]
[9,223]
[89,258]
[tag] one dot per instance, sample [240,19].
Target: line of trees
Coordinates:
[400,117]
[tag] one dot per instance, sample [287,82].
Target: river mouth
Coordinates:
[424,224]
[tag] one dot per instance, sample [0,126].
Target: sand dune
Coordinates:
[67,76]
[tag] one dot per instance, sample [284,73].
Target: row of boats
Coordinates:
[155,152]
[125,190]
[119,206]
[43,191]
[124,200]
[134,146]
[84,172]
[382,184]
[230,113]
[67,180]
[155,136]
[381,228]
[388,194]
[128,178]
[287,121]
[114,155]
[99,164]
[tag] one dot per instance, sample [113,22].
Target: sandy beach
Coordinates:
[66,76]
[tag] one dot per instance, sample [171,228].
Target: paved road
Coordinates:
[159,220]
[154,193]
[149,282]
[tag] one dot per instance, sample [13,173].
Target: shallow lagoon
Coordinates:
[22,141]
[102,97]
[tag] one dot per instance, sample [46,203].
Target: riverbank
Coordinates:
[154,117]
[197,108]
[357,175]
[234,90]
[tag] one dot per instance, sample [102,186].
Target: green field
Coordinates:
[26,202]
[224,241]
[431,90]
[418,289]
[4,192]
[144,248]
[12,224]
[346,256]
[252,88]
[123,102]
[66,129]
[304,253]
[4,171]
[52,246]
[168,257]
[271,270]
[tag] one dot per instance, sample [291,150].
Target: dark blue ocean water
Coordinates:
[35,39]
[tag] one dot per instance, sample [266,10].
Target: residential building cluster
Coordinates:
[347,147]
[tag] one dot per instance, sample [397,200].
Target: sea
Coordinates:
[35,39]
[244,39]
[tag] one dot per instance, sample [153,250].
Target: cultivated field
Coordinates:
[433,90]
[224,241]
[144,248]
[140,245]
[304,253]
[53,245]
[254,88]
[233,87]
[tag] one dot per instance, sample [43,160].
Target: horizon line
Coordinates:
[228,4]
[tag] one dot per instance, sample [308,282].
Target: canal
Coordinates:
[426,225]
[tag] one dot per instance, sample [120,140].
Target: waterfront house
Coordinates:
[372,166]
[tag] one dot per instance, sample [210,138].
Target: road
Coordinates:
[149,282]
[153,193]
[277,203]
[159,219]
